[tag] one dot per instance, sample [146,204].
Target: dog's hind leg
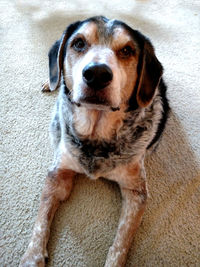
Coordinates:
[58,186]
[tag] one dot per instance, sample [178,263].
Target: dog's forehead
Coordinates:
[102,32]
[121,36]
[89,31]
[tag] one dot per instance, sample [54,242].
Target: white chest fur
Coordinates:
[67,159]
[96,124]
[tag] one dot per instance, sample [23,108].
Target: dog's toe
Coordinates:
[46,257]
[33,258]
[45,87]
[46,260]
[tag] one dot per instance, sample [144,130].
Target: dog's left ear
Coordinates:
[56,56]
[151,71]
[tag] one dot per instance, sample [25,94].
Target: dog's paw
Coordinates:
[46,87]
[33,259]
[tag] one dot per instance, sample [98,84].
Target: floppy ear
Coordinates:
[56,56]
[150,73]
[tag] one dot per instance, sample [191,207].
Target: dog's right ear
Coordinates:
[56,56]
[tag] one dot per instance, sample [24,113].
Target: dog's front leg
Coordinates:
[133,206]
[57,188]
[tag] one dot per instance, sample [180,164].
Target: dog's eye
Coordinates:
[79,44]
[126,52]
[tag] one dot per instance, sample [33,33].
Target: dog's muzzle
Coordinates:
[97,76]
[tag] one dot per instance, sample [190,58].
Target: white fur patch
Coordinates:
[67,160]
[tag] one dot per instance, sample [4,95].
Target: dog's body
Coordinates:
[111,108]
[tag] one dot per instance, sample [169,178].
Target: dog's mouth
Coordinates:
[96,102]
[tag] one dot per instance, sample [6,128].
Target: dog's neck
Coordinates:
[96,124]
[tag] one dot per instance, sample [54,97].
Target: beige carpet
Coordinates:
[84,226]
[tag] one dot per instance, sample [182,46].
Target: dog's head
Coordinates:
[105,64]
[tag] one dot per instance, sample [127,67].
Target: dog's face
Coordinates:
[100,67]
[105,63]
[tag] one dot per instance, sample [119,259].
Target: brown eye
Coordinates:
[126,52]
[79,45]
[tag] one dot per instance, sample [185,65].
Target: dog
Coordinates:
[112,108]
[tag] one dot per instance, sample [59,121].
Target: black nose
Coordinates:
[97,76]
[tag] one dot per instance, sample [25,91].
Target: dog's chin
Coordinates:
[96,103]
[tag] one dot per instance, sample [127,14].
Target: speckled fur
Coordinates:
[128,144]
[107,140]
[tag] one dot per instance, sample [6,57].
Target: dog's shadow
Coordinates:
[168,228]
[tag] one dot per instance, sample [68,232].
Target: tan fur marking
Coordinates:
[133,208]
[57,187]
[130,176]
[89,32]
[131,179]
[133,170]
[121,38]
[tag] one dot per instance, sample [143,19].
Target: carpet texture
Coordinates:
[84,226]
